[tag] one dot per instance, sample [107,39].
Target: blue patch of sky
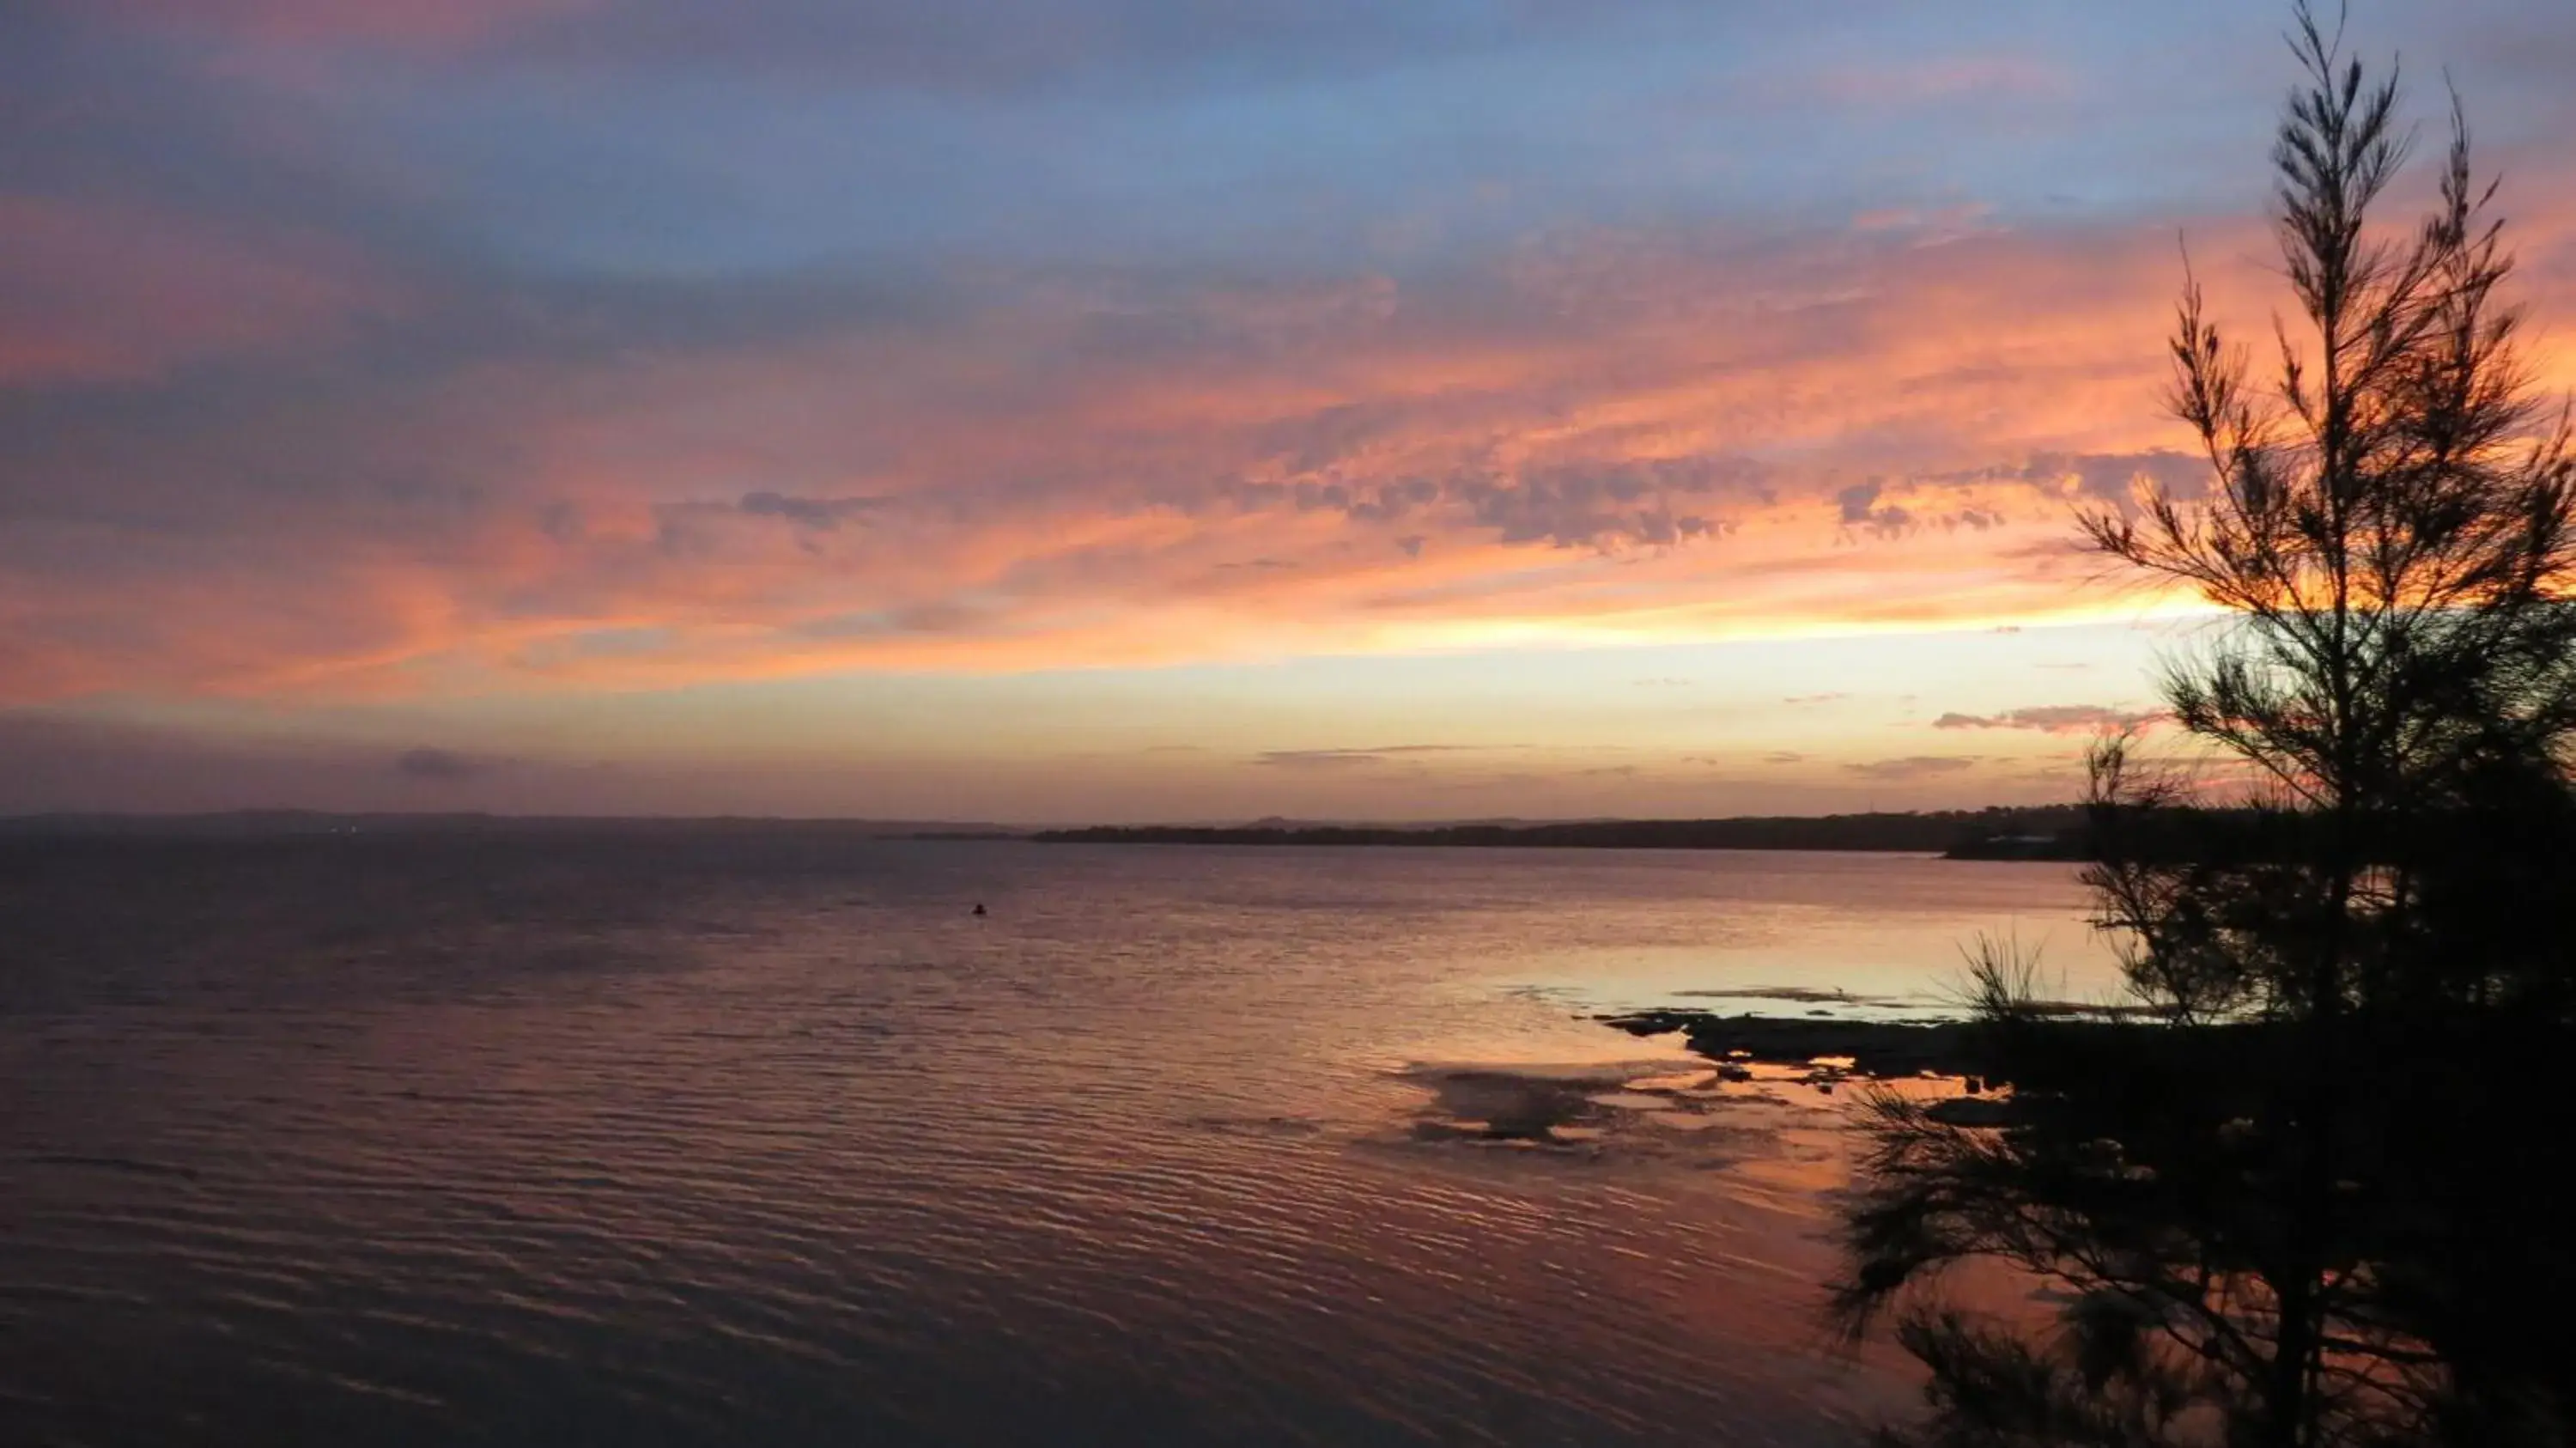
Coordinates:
[1673,117]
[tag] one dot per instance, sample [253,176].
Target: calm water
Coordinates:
[762,1138]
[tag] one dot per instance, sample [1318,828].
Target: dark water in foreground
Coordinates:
[763,1139]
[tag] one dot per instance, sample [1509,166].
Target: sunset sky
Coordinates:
[1041,410]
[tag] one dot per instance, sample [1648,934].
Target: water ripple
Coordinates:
[745,1139]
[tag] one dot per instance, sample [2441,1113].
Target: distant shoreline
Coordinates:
[2049,832]
[2042,832]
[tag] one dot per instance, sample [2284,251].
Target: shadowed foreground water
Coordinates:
[761,1137]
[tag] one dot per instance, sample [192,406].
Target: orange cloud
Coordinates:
[1613,438]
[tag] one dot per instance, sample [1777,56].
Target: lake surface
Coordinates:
[762,1137]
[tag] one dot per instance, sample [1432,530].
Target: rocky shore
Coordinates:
[1873,1048]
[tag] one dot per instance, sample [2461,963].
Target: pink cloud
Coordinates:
[97,291]
[425,24]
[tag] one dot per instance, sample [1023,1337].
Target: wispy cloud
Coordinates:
[1348,758]
[2051,718]
[1912,768]
[824,514]
[115,293]
[435,766]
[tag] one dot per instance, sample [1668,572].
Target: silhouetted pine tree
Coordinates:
[2303,1204]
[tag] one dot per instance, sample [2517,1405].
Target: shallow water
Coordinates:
[762,1137]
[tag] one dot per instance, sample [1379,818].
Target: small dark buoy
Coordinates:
[979,907]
